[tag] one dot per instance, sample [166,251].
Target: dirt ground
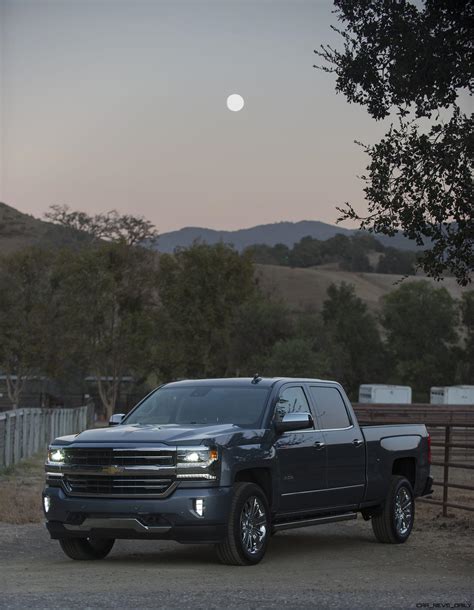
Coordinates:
[333,566]
[20,491]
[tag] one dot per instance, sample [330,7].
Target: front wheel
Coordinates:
[86,548]
[248,528]
[394,523]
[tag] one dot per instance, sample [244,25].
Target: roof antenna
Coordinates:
[256,378]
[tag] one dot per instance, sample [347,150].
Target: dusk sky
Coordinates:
[122,104]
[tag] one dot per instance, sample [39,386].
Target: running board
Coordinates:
[289,525]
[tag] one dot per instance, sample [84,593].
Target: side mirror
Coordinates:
[294,421]
[116,419]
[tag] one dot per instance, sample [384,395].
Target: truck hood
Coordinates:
[169,434]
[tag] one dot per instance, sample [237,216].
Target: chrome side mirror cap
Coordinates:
[116,419]
[294,421]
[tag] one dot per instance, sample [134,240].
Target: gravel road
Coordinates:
[333,566]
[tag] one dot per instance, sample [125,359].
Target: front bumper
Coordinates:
[171,518]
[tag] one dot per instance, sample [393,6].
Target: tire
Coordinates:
[394,523]
[248,528]
[83,549]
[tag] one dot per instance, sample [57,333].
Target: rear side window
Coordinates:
[291,400]
[331,408]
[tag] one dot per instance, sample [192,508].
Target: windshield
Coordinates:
[202,405]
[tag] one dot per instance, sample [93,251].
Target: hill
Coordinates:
[287,233]
[305,289]
[18,230]
[301,289]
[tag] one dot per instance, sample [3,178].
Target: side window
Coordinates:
[331,408]
[292,400]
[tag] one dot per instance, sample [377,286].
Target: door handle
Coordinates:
[319,445]
[357,442]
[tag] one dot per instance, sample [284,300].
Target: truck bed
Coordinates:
[408,443]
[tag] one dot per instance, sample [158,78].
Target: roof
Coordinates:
[384,385]
[242,381]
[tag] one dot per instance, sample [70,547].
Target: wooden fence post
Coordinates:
[24,437]
[8,439]
[16,437]
[2,439]
[31,432]
[447,454]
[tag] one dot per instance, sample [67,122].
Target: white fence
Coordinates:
[24,432]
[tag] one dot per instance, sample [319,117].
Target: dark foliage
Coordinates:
[350,253]
[398,57]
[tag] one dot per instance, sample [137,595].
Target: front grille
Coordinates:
[119,457]
[121,486]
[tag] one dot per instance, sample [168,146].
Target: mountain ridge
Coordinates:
[18,229]
[270,234]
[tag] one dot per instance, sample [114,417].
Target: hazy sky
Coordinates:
[121,104]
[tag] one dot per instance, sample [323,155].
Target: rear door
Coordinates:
[345,447]
[301,456]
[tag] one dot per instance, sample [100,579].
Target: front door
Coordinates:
[301,457]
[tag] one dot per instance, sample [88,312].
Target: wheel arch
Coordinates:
[259,476]
[405,467]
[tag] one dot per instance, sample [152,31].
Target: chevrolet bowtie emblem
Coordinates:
[113,469]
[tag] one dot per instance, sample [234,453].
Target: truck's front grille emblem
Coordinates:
[120,473]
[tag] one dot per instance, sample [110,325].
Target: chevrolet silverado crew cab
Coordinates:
[230,462]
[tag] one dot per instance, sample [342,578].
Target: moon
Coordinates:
[235,102]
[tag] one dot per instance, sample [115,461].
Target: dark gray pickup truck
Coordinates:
[230,462]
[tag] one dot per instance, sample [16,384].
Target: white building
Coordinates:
[452,395]
[385,394]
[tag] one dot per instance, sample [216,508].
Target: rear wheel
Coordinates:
[248,528]
[86,548]
[394,523]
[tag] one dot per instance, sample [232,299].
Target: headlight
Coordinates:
[192,457]
[197,463]
[56,456]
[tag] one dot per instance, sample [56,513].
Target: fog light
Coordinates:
[199,506]
[46,503]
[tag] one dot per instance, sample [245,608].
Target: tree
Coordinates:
[306,253]
[259,324]
[269,255]
[353,345]
[415,61]
[293,357]
[400,262]
[420,322]
[356,258]
[111,226]
[336,248]
[467,313]
[109,308]
[27,305]
[202,290]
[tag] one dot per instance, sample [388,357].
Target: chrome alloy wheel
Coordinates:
[253,525]
[403,511]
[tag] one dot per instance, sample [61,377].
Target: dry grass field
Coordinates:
[305,289]
[18,230]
